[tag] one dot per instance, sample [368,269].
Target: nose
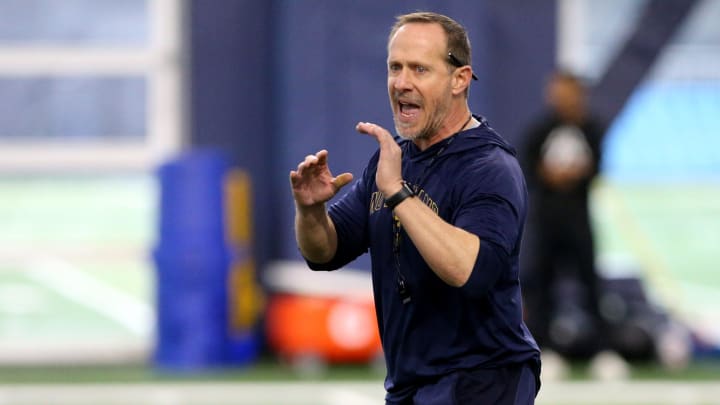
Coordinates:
[402,80]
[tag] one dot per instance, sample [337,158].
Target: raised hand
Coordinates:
[389,171]
[312,183]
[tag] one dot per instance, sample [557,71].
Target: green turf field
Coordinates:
[76,288]
[74,269]
[671,234]
[268,383]
[75,272]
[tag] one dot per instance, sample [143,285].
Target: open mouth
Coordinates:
[408,111]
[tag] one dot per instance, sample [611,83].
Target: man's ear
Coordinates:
[461,79]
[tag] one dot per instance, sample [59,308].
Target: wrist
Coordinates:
[401,195]
[312,210]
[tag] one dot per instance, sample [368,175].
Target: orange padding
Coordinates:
[335,329]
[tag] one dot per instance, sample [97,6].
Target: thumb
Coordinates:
[341,180]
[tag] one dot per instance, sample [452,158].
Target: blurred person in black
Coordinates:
[561,158]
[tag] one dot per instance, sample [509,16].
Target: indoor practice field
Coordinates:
[101,310]
[146,215]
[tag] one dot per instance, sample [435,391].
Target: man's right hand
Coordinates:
[312,183]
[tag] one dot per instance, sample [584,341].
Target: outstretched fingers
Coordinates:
[312,181]
[312,161]
[376,131]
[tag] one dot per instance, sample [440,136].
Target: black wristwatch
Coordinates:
[400,196]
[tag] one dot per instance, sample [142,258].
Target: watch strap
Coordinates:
[400,196]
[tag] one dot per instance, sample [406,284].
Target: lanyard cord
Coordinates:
[402,286]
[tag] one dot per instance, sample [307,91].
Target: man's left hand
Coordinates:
[389,171]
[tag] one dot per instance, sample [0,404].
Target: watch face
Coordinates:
[408,188]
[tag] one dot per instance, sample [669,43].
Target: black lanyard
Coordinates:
[402,287]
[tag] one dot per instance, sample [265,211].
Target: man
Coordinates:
[562,157]
[441,210]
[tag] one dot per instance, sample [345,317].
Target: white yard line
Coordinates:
[347,396]
[80,287]
[631,393]
[341,393]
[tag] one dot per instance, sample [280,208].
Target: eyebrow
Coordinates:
[456,62]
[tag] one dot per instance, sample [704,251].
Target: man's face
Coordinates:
[419,82]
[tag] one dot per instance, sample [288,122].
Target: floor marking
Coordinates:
[349,397]
[80,287]
[345,393]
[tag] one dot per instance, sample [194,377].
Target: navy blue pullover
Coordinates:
[473,181]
